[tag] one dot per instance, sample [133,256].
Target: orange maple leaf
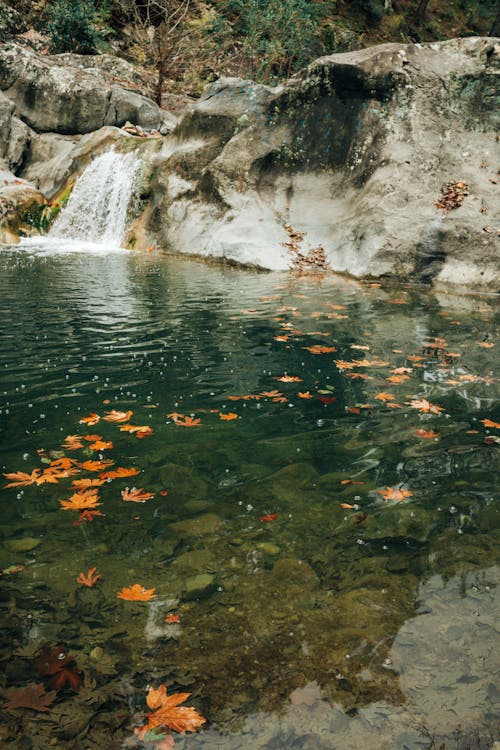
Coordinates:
[188,422]
[72,443]
[486,422]
[136,495]
[169,714]
[117,416]
[397,378]
[281,338]
[101,445]
[120,471]
[390,493]
[170,619]
[91,419]
[21,478]
[304,394]
[271,394]
[371,363]
[385,396]
[318,349]
[227,417]
[88,579]
[96,465]
[84,484]
[136,593]
[427,433]
[343,365]
[425,406]
[289,379]
[63,463]
[83,500]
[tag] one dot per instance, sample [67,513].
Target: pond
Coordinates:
[307,517]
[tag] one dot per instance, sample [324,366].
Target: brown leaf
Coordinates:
[32,696]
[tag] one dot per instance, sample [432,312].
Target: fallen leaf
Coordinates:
[32,696]
[170,714]
[72,443]
[119,472]
[83,484]
[170,619]
[490,423]
[382,396]
[348,505]
[82,500]
[390,493]
[101,445]
[304,394]
[188,422]
[96,465]
[425,406]
[21,478]
[427,434]
[136,495]
[269,517]
[289,379]
[227,417]
[91,419]
[319,349]
[88,579]
[117,416]
[136,593]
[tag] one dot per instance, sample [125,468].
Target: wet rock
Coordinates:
[289,570]
[198,586]
[26,544]
[268,548]
[399,521]
[203,525]
[197,506]
[195,561]
[289,484]
[183,483]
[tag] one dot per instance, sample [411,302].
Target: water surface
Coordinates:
[331,565]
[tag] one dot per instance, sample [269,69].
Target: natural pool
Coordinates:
[321,539]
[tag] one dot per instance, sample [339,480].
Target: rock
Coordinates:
[295,572]
[268,548]
[20,206]
[183,482]
[195,561]
[203,525]
[399,522]
[354,152]
[198,586]
[25,544]
[70,94]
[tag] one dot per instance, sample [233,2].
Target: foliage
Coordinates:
[277,36]
[72,26]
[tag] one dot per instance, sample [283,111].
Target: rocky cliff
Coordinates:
[342,167]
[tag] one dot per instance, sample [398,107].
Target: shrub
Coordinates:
[71,26]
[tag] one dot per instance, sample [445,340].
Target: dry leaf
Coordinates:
[32,696]
[136,593]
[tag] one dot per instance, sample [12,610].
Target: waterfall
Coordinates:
[96,211]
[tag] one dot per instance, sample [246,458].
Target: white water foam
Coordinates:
[94,219]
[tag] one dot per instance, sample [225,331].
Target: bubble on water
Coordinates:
[320,422]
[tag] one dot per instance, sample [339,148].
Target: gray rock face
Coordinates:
[58,94]
[355,153]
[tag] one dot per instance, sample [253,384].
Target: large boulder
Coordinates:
[21,206]
[72,94]
[354,153]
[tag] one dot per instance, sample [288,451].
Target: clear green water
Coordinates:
[325,627]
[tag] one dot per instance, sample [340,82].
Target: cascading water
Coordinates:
[97,208]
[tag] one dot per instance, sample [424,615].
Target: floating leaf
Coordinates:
[427,434]
[425,406]
[382,396]
[228,416]
[169,714]
[304,394]
[82,500]
[269,517]
[136,495]
[136,593]
[390,493]
[289,379]
[117,416]
[119,472]
[91,419]
[486,422]
[21,478]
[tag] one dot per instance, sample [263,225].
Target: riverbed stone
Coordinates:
[204,525]
[399,522]
[24,544]
[183,483]
[198,586]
